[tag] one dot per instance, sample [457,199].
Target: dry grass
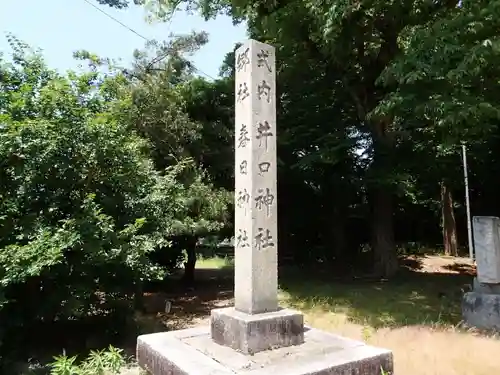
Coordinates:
[430,349]
[416,316]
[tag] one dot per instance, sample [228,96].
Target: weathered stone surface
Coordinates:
[487,248]
[250,334]
[481,310]
[480,287]
[192,352]
[256,209]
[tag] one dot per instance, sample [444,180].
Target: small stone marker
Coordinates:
[487,245]
[256,213]
[256,336]
[481,306]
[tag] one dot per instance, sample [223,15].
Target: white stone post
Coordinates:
[256,213]
[255,336]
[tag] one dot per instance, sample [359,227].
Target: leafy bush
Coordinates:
[81,203]
[104,362]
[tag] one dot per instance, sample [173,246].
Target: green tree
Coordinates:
[81,202]
[406,82]
[356,42]
[181,116]
[445,89]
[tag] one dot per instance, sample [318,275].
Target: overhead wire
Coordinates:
[115,20]
[157,58]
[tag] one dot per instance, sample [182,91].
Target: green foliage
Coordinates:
[73,205]
[115,3]
[405,81]
[104,171]
[85,197]
[447,75]
[103,362]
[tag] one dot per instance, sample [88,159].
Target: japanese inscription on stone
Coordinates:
[243,138]
[255,236]
[243,92]
[264,90]
[243,198]
[263,131]
[264,167]
[244,167]
[243,60]
[263,239]
[263,59]
[264,199]
[242,238]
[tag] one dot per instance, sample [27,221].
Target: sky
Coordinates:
[60,27]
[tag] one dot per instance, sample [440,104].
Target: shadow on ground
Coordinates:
[189,306]
[462,268]
[426,292]
[413,263]
[416,296]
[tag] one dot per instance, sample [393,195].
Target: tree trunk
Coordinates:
[138,296]
[448,221]
[338,238]
[383,243]
[384,247]
[189,244]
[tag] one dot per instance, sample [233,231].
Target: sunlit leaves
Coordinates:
[83,201]
[102,362]
[448,75]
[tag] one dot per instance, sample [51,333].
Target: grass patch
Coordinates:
[414,298]
[379,304]
[214,263]
[417,315]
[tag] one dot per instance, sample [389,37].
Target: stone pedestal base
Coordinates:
[481,310]
[480,287]
[251,334]
[193,352]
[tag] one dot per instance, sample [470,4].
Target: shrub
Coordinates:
[81,203]
[104,362]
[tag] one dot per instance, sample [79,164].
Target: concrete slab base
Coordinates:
[480,287]
[251,334]
[193,352]
[481,310]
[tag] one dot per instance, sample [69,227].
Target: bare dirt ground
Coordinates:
[440,264]
[417,316]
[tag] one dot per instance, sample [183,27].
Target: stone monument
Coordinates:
[481,306]
[256,336]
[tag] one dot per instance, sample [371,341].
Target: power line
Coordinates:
[116,20]
[156,59]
